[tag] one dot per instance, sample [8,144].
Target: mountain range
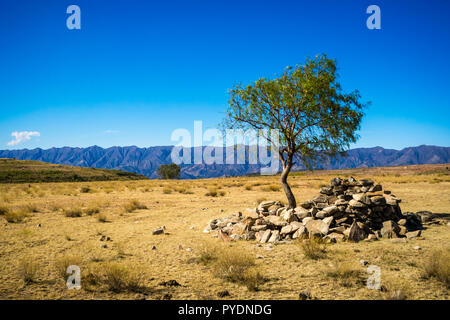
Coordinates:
[146,161]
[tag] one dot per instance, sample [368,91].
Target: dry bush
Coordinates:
[272,187]
[119,278]
[3,210]
[237,266]
[73,213]
[346,274]
[27,270]
[167,190]
[30,208]
[208,253]
[134,205]
[15,216]
[437,266]
[92,210]
[85,189]
[212,192]
[313,248]
[248,187]
[102,217]
[63,263]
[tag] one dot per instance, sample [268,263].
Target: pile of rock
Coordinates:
[347,209]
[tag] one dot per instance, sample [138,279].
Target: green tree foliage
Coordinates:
[315,118]
[169,171]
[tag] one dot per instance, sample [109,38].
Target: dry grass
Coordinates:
[121,278]
[102,217]
[437,266]
[64,262]
[15,216]
[91,211]
[27,270]
[285,268]
[272,187]
[73,212]
[313,248]
[345,274]
[134,205]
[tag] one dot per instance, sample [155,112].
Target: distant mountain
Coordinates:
[146,161]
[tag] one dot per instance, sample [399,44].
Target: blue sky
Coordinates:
[138,70]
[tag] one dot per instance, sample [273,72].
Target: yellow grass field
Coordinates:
[47,233]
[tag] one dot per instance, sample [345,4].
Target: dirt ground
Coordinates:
[31,250]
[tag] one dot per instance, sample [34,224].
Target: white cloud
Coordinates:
[22,136]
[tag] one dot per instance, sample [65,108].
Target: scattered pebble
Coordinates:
[417,248]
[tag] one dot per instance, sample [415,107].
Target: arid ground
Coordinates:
[46,226]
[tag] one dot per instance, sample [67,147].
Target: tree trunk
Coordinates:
[286,187]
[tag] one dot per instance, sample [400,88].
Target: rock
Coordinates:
[356,204]
[170,283]
[239,229]
[305,220]
[251,213]
[153,247]
[300,232]
[417,248]
[402,231]
[268,247]
[335,237]
[372,237]
[306,295]
[363,262]
[276,221]
[326,190]
[274,237]
[317,227]
[336,182]
[307,204]
[355,233]
[425,216]
[274,208]
[339,229]
[390,229]
[265,205]
[401,222]
[257,228]
[378,200]
[159,230]
[301,212]
[413,234]
[319,199]
[265,236]
[222,294]
[235,237]
[289,216]
[189,249]
[328,221]
[286,229]
[296,225]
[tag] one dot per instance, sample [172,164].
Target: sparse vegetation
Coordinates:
[64,262]
[28,269]
[120,278]
[73,212]
[134,205]
[102,217]
[313,248]
[437,266]
[345,274]
[15,216]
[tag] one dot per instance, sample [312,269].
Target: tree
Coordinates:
[306,104]
[169,171]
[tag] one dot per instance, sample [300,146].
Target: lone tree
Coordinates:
[169,171]
[306,104]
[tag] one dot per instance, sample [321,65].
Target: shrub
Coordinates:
[85,189]
[134,205]
[272,187]
[248,187]
[15,216]
[345,274]
[3,210]
[118,278]
[313,248]
[63,263]
[92,210]
[30,208]
[212,192]
[437,266]
[73,213]
[102,217]
[28,270]
[239,267]
[169,171]
[167,190]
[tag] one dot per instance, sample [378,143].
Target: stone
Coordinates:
[328,221]
[356,204]
[376,187]
[251,213]
[239,229]
[372,237]
[378,200]
[336,182]
[159,230]
[301,212]
[417,248]
[363,262]
[286,229]
[274,208]
[401,222]
[260,227]
[276,221]
[413,234]
[222,294]
[398,240]
[265,236]
[337,237]
[289,216]
[274,237]
[307,204]
[390,229]
[300,232]
[355,233]
[305,220]
[327,191]
[296,225]
[320,199]
[268,247]
[317,227]
[339,229]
